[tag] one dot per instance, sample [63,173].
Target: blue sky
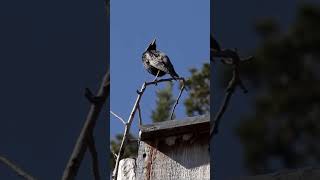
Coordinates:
[182,30]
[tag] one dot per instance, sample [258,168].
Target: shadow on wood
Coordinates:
[175,149]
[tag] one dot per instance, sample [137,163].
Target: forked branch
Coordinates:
[136,107]
[120,118]
[228,57]
[177,101]
[80,148]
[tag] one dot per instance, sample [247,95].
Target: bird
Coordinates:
[157,63]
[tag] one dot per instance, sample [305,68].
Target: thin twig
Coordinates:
[113,153]
[130,119]
[120,118]
[94,155]
[223,107]
[79,150]
[163,80]
[140,118]
[16,169]
[229,57]
[177,101]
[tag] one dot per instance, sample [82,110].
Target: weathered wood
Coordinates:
[127,169]
[175,127]
[175,150]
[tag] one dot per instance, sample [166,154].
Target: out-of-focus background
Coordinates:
[50,52]
[276,125]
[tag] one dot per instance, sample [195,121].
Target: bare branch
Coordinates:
[140,118]
[92,98]
[163,80]
[94,155]
[130,119]
[113,153]
[177,101]
[231,58]
[16,169]
[120,118]
[79,150]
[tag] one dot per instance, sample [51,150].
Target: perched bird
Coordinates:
[157,63]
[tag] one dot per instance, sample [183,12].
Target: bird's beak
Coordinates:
[153,42]
[152,45]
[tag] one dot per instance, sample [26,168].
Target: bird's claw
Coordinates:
[155,81]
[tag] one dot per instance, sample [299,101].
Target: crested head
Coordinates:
[152,45]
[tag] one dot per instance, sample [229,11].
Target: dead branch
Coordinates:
[130,119]
[229,57]
[20,172]
[120,118]
[79,150]
[177,101]
[140,118]
[113,153]
[94,155]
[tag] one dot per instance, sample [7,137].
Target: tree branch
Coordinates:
[113,153]
[16,169]
[130,119]
[120,118]
[79,150]
[140,118]
[177,101]
[229,57]
[94,155]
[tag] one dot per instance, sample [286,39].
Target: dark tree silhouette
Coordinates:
[198,88]
[164,104]
[285,125]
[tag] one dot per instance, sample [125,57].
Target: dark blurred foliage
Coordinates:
[198,89]
[284,127]
[198,95]
[164,104]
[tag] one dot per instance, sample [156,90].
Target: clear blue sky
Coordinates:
[182,30]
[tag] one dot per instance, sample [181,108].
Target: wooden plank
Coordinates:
[127,169]
[200,124]
[184,156]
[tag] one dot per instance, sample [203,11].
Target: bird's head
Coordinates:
[152,45]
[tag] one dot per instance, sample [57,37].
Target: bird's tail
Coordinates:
[174,75]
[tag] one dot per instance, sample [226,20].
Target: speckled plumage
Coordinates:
[154,61]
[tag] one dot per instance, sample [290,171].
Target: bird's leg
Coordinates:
[155,79]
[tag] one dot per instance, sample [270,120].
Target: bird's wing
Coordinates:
[160,61]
